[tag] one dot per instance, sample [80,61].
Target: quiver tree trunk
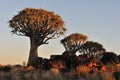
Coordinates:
[33,51]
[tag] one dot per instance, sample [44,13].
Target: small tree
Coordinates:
[73,42]
[39,25]
[92,48]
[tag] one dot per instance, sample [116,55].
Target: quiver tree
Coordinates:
[39,25]
[73,42]
[92,48]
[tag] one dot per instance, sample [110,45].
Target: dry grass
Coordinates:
[81,73]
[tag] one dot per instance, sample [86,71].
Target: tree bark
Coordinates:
[33,51]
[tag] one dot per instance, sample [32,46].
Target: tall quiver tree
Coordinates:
[39,25]
[73,42]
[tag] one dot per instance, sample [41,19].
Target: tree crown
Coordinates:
[74,41]
[92,47]
[41,24]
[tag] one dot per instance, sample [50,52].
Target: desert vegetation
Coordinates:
[92,63]
[82,72]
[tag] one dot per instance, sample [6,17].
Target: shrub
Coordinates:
[110,58]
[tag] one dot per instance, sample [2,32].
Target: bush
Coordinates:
[110,58]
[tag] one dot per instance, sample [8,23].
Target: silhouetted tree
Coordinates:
[92,48]
[39,25]
[73,42]
[109,57]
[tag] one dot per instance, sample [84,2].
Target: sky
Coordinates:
[98,19]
